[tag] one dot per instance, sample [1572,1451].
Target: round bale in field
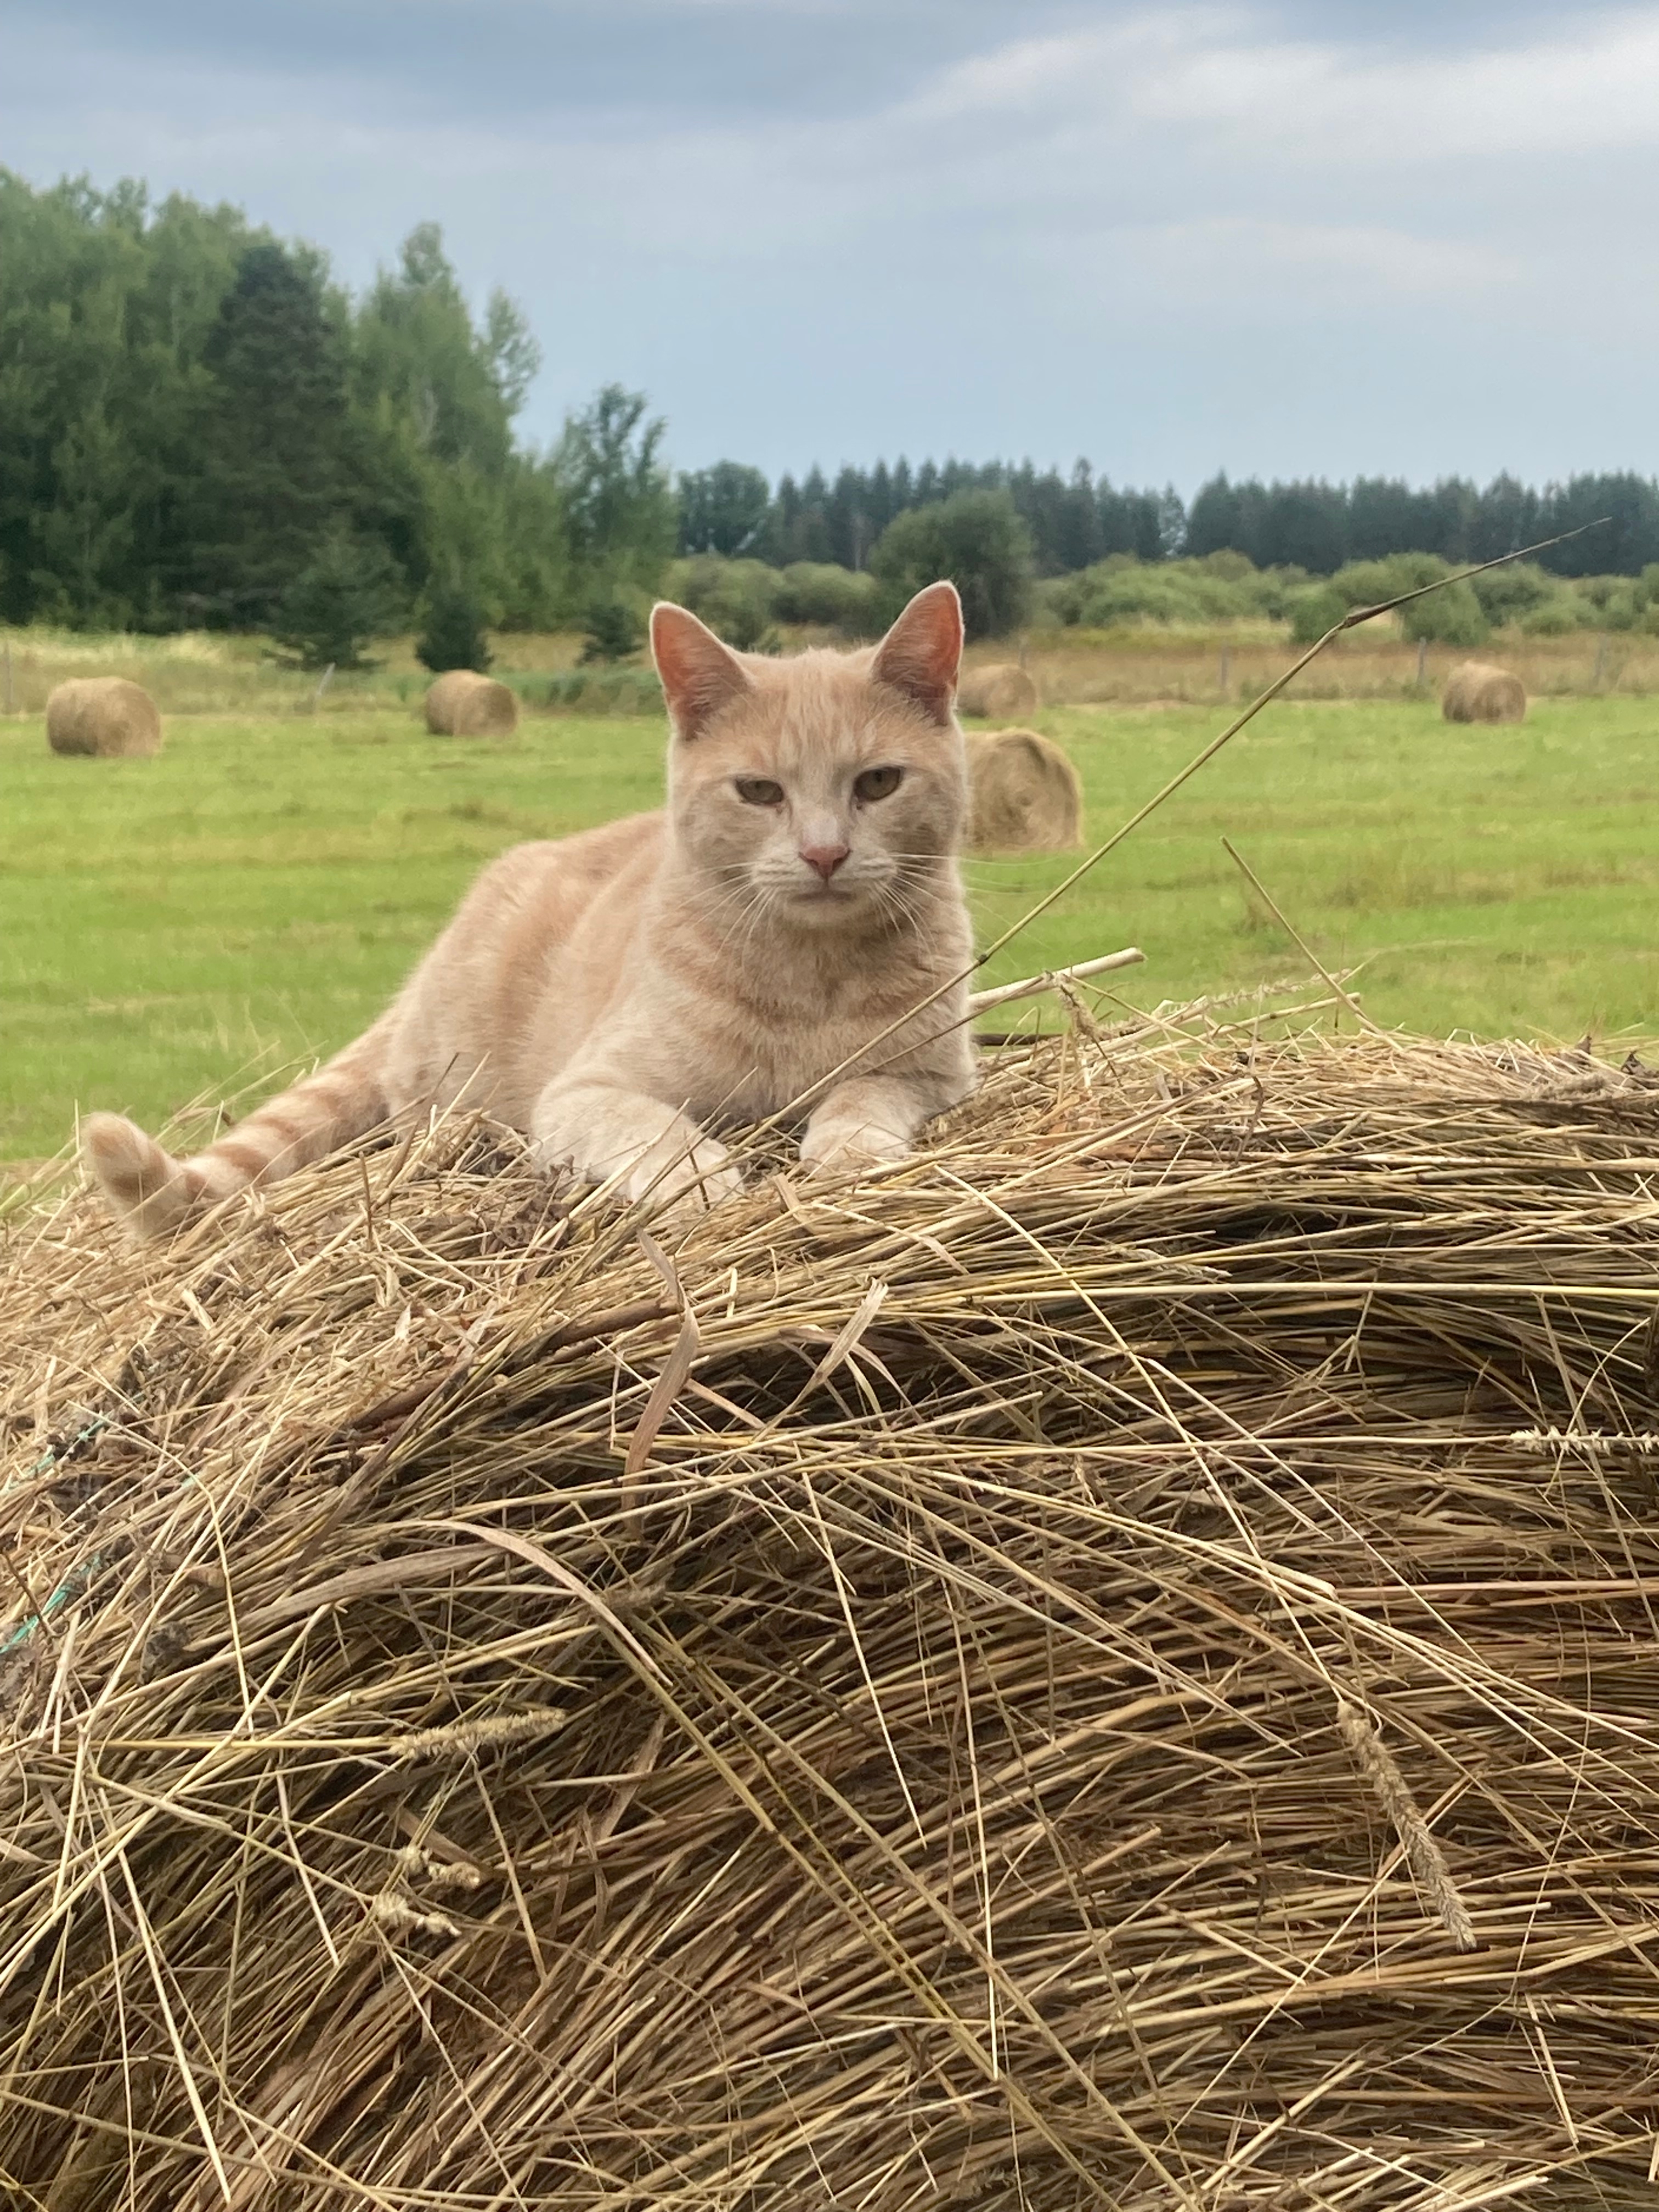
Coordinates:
[104,716]
[1024,794]
[1003,688]
[1475,691]
[464,704]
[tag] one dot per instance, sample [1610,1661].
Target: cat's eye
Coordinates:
[879,783]
[759,791]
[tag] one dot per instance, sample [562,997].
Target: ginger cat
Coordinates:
[619,995]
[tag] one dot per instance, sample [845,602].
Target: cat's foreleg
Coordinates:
[867,1120]
[601,1131]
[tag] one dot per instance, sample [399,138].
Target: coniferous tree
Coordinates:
[272,481]
[453,635]
[349,592]
[723,509]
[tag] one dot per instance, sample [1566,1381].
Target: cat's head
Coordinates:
[828,788]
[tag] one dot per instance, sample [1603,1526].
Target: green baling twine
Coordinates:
[77,1578]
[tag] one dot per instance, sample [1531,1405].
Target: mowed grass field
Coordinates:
[200,922]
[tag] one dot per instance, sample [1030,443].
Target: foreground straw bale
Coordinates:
[464,704]
[1476,691]
[1115,1667]
[104,716]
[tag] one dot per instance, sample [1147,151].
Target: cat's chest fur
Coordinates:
[751,1041]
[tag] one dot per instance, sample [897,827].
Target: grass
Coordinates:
[250,897]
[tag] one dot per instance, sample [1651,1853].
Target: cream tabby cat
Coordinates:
[618,994]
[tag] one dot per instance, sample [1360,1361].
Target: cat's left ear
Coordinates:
[921,654]
[699,674]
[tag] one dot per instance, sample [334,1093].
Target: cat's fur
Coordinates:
[620,995]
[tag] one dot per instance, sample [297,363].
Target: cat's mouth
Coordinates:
[835,892]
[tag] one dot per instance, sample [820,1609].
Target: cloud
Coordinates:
[1235,254]
[1221,70]
[1168,238]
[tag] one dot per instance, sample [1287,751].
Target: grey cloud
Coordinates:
[1170,238]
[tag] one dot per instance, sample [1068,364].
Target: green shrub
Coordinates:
[1221,587]
[977,539]
[818,593]
[1556,618]
[1510,594]
[452,635]
[735,598]
[1450,616]
[351,591]
[1622,607]
[1059,600]
[615,625]
[1312,611]
[1367,583]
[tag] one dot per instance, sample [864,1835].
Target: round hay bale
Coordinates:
[105,717]
[464,704]
[1024,794]
[1476,691]
[1166,1689]
[1003,688]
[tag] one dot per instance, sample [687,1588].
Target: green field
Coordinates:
[198,922]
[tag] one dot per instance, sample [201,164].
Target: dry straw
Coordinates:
[104,716]
[1115,1680]
[1024,792]
[1476,691]
[464,704]
[1003,687]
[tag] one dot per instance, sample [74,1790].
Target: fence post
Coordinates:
[1600,675]
[9,703]
[1422,664]
[317,696]
[1226,670]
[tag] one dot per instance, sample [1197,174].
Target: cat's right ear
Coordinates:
[922,653]
[699,674]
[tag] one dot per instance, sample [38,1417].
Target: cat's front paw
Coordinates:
[647,1150]
[850,1148]
[684,1183]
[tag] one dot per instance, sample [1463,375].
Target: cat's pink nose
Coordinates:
[826,858]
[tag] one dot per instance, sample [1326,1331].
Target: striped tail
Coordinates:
[150,1192]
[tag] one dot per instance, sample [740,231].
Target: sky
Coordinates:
[1277,240]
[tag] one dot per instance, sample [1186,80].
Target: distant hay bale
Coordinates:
[105,717]
[464,704]
[1023,793]
[1003,688]
[1476,691]
[1021,1690]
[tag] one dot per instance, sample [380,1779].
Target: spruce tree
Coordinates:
[349,591]
[452,635]
[274,477]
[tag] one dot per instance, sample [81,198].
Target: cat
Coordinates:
[621,995]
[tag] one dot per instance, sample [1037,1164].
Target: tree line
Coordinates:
[1075,521]
[200,428]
